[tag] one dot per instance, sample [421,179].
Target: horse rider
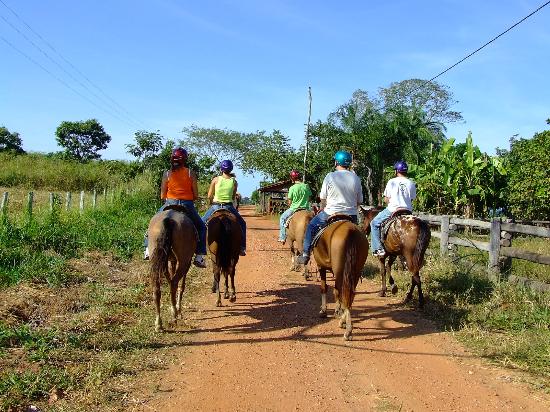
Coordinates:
[398,194]
[341,193]
[298,198]
[221,194]
[179,187]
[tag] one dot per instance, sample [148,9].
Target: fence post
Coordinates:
[494,245]
[4,205]
[30,200]
[444,240]
[51,201]
[82,201]
[94,199]
[68,200]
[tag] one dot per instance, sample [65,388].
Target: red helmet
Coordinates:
[295,175]
[179,155]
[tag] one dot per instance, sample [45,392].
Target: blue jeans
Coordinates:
[316,224]
[232,209]
[195,218]
[282,222]
[375,236]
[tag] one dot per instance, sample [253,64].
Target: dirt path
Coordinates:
[270,351]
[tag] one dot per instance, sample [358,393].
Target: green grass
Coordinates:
[37,171]
[528,269]
[500,322]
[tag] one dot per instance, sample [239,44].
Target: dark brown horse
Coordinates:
[295,237]
[409,237]
[172,242]
[342,249]
[224,238]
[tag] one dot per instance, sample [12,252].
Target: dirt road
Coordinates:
[270,351]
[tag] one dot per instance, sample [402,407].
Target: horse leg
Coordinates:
[226,293]
[173,298]
[217,284]
[293,265]
[156,298]
[307,274]
[233,295]
[338,305]
[181,289]
[346,318]
[382,267]
[323,311]
[393,285]
[416,277]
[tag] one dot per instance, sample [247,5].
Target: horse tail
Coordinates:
[348,277]
[224,248]
[159,256]
[422,242]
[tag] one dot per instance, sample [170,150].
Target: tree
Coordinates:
[10,141]
[148,145]
[82,140]
[528,190]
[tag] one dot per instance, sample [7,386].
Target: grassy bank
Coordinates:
[502,323]
[76,320]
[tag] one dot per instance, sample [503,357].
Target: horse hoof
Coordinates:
[226,295]
[232,298]
[382,293]
[347,336]
[159,329]
[394,289]
[323,314]
[214,289]
[219,304]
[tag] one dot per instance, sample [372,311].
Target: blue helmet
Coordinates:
[343,158]
[401,166]
[226,166]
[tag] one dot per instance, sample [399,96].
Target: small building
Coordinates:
[273,197]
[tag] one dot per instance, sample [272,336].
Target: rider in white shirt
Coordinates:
[399,194]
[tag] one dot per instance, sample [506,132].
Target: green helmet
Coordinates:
[343,158]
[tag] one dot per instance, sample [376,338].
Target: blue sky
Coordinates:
[246,65]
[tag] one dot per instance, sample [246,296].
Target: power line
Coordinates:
[475,51]
[60,80]
[117,107]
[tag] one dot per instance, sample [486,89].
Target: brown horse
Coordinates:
[409,237]
[224,243]
[295,237]
[172,242]
[342,249]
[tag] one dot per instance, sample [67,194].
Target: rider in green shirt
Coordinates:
[298,198]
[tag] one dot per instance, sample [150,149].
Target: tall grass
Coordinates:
[36,248]
[38,171]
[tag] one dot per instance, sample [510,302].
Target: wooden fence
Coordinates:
[66,201]
[499,246]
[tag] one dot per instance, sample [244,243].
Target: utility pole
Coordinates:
[307,135]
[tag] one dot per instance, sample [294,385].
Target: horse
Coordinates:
[172,242]
[408,236]
[342,249]
[223,240]
[295,237]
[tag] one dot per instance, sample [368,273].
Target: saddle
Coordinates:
[287,222]
[182,209]
[386,224]
[222,208]
[331,220]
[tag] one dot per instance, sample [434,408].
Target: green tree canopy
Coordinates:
[528,190]
[82,140]
[10,141]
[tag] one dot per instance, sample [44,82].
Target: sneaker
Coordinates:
[146,254]
[199,261]
[281,241]
[242,252]
[302,260]
[379,253]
